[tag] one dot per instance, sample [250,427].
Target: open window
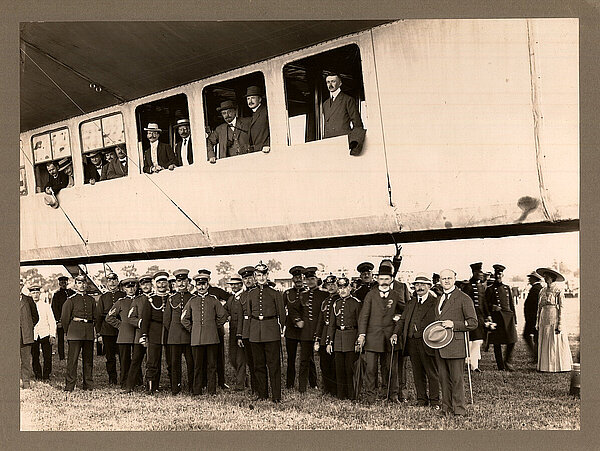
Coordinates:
[162,118]
[101,139]
[306,90]
[51,147]
[243,98]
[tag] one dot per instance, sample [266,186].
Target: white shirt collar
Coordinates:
[423,298]
[232,124]
[335,93]
[256,108]
[449,291]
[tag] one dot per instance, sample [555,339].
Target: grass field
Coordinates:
[523,399]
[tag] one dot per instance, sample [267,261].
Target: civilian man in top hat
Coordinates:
[44,334]
[475,289]
[27,320]
[232,136]
[92,170]
[157,156]
[259,122]
[116,167]
[179,338]
[78,317]
[377,323]
[184,154]
[530,333]
[58,300]
[243,327]
[292,332]
[457,314]
[57,180]
[202,316]
[237,356]
[305,314]
[418,314]
[365,270]
[109,333]
[339,111]
[267,316]
[501,307]
[326,359]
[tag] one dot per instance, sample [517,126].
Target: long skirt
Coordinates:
[554,353]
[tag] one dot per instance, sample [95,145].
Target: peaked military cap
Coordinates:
[295,270]
[365,266]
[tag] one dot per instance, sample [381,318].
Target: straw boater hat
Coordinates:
[543,271]
[152,127]
[64,163]
[437,336]
[422,278]
[181,122]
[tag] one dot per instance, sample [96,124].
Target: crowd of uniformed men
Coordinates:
[369,323]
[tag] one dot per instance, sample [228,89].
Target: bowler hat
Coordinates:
[437,336]
[254,91]
[226,104]
[385,270]
[543,271]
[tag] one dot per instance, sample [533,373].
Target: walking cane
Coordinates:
[390,376]
[469,364]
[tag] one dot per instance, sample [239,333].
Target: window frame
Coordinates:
[36,163]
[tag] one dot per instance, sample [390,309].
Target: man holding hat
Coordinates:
[417,315]
[292,333]
[184,155]
[237,356]
[179,338]
[117,318]
[232,136]
[267,315]
[157,156]
[501,307]
[108,332]
[326,359]
[78,317]
[92,170]
[530,332]
[58,300]
[455,315]
[475,289]
[377,324]
[365,270]
[243,327]
[305,314]
[258,134]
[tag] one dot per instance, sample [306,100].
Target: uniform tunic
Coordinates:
[202,316]
[342,330]
[476,291]
[78,317]
[117,318]
[499,295]
[105,303]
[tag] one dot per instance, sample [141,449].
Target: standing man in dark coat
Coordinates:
[365,270]
[243,328]
[305,314]
[58,300]
[237,356]
[157,156]
[378,320]
[327,359]
[530,333]
[108,332]
[475,289]
[184,154]
[501,306]
[28,319]
[292,332]
[417,315]
[78,318]
[232,136]
[267,315]
[456,312]
[259,122]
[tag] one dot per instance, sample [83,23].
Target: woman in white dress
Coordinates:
[554,353]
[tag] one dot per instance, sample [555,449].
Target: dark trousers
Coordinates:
[154,358]
[110,351]
[530,335]
[125,351]
[167,353]
[250,363]
[402,372]
[26,369]
[328,368]
[384,359]
[86,347]
[44,343]
[502,361]
[266,356]
[205,354]
[139,351]
[452,382]
[220,364]
[60,340]
[176,352]
[344,372]
[306,360]
[291,347]
[237,358]
[424,371]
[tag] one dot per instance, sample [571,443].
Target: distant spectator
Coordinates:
[44,334]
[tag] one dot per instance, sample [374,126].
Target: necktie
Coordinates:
[444,299]
[420,300]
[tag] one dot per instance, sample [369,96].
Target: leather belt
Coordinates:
[345,327]
[261,317]
[82,320]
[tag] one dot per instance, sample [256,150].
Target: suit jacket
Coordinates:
[259,128]
[28,319]
[202,317]
[266,302]
[344,313]
[238,144]
[177,333]
[91,172]
[338,115]
[117,318]
[189,156]
[79,306]
[531,303]
[458,308]
[152,318]
[236,315]
[427,316]
[105,303]
[164,154]
[376,319]
[58,183]
[113,170]
[307,310]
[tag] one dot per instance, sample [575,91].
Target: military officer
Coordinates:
[117,318]
[326,359]
[77,318]
[365,270]
[501,306]
[267,315]
[237,356]
[292,332]
[475,289]
[108,332]
[243,327]
[179,338]
[58,300]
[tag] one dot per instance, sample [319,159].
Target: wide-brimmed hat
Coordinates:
[437,336]
[51,200]
[152,127]
[226,105]
[543,271]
